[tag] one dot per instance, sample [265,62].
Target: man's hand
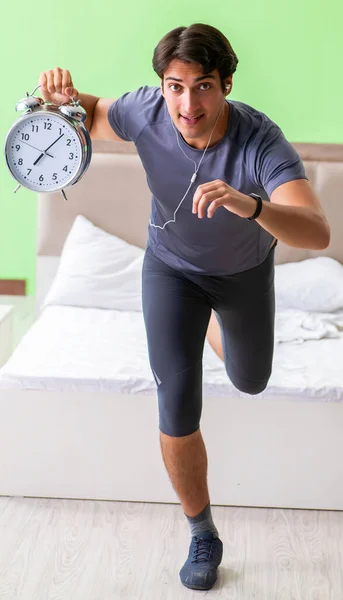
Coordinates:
[218,193]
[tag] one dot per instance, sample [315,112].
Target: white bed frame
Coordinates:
[283,452]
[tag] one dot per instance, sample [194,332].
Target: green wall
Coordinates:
[290,68]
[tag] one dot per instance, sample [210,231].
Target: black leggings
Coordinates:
[177,308]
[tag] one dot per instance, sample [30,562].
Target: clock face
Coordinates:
[43,152]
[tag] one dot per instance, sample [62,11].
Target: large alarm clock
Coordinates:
[48,148]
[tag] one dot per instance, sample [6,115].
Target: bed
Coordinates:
[79,414]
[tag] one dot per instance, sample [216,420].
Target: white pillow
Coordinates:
[315,284]
[97,270]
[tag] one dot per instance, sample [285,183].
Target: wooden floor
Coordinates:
[52,549]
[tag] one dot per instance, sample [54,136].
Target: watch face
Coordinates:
[43,151]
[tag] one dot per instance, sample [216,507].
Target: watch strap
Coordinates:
[258,207]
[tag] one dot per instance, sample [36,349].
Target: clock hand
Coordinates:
[46,149]
[47,153]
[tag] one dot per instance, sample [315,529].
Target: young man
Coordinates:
[226,185]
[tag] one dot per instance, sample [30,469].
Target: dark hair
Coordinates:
[197,43]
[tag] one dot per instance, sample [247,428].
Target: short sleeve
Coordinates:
[129,114]
[273,160]
[117,118]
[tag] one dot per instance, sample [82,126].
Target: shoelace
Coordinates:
[206,550]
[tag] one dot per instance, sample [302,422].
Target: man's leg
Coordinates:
[246,326]
[176,314]
[214,337]
[185,459]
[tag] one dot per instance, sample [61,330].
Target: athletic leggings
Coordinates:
[177,308]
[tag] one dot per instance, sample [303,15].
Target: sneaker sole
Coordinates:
[196,587]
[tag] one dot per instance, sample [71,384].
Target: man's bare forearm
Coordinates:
[88,102]
[297,226]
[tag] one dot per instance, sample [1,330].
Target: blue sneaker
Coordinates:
[205,555]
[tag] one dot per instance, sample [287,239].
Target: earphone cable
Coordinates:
[194,176]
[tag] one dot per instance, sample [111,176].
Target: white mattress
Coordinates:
[83,349]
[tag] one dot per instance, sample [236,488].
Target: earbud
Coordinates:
[228,87]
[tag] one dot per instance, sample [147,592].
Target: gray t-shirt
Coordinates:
[253,156]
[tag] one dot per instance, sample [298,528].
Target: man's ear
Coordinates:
[161,87]
[228,85]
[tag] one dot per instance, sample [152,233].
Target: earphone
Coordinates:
[194,176]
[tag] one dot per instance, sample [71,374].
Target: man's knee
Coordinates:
[252,387]
[177,431]
[246,385]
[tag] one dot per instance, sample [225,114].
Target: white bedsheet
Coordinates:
[84,349]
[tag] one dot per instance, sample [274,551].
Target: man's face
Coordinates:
[194,101]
